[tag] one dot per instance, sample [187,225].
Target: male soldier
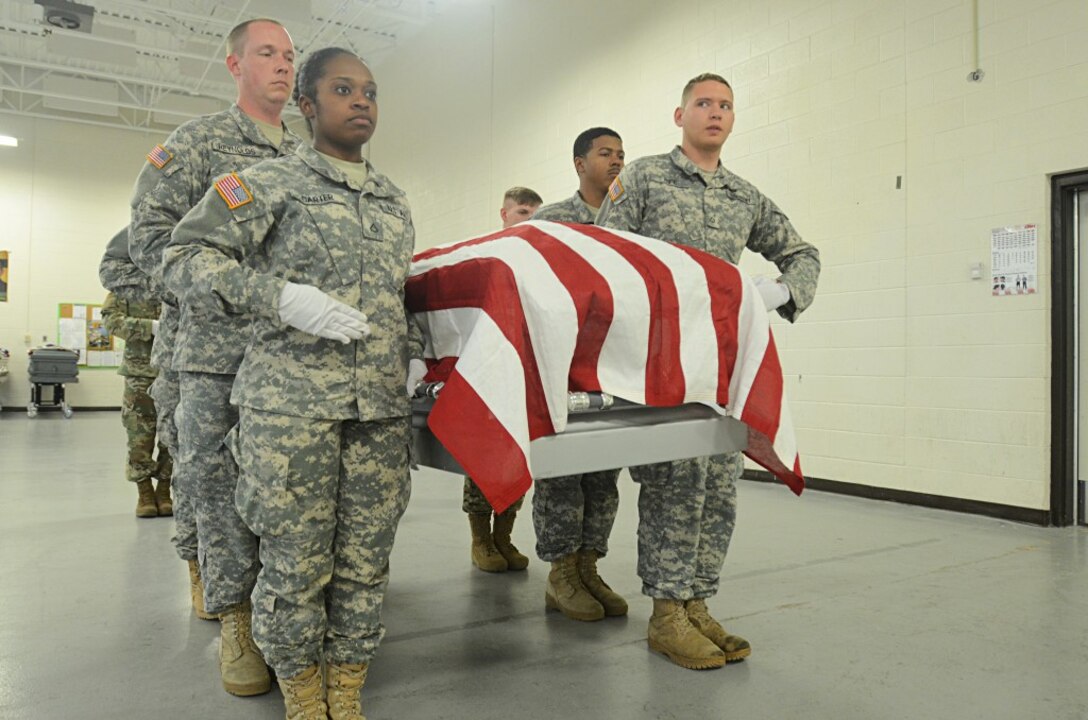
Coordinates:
[687,508]
[120,275]
[573,515]
[492,550]
[135,321]
[518,205]
[208,348]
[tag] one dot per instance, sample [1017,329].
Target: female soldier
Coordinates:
[315,247]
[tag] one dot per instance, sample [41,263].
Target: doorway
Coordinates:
[1069,341]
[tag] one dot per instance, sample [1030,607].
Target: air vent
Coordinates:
[67,15]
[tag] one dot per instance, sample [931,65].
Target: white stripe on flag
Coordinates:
[621,365]
[753,334]
[487,361]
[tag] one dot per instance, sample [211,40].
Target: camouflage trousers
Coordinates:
[227,547]
[473,501]
[164,391]
[686,512]
[574,513]
[138,418]
[325,497]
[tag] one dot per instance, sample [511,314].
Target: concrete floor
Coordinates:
[855,609]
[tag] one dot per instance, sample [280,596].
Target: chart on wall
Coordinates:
[80,327]
[1014,260]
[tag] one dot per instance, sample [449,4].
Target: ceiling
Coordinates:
[152,64]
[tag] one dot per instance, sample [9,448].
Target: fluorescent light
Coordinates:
[9,141]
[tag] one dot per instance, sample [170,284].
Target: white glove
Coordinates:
[774,293]
[310,310]
[416,370]
[154,327]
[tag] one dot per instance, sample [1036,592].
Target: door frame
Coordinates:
[1063,442]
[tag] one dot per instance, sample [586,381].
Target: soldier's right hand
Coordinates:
[312,311]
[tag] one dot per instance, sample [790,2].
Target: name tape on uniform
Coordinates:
[234,193]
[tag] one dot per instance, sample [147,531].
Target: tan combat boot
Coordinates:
[672,634]
[304,695]
[196,592]
[613,603]
[566,593]
[240,663]
[484,553]
[504,525]
[145,503]
[342,686]
[162,498]
[734,646]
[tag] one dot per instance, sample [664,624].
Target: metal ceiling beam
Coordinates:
[113,76]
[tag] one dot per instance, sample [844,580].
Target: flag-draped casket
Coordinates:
[515,319]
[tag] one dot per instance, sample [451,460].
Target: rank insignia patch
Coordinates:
[159,156]
[615,190]
[233,192]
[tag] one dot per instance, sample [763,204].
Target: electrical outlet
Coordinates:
[26,339]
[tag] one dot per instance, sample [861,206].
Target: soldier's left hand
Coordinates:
[774,293]
[417,369]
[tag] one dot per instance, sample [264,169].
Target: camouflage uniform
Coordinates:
[208,346]
[575,512]
[687,508]
[323,439]
[120,275]
[131,321]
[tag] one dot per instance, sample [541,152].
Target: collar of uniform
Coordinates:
[375,182]
[720,178]
[254,135]
[580,205]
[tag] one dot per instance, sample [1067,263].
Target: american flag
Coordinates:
[515,319]
[233,192]
[159,156]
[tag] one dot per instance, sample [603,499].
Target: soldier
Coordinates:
[207,347]
[120,275]
[573,515]
[492,550]
[135,321]
[687,508]
[324,430]
[518,205]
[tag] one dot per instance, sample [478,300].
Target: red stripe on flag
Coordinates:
[726,289]
[762,451]
[763,408]
[487,284]
[665,384]
[488,454]
[592,299]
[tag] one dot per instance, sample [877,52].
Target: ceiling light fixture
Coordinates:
[9,141]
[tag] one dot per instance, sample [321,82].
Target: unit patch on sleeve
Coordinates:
[615,190]
[233,192]
[159,156]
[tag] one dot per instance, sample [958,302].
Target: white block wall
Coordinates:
[63,193]
[905,373]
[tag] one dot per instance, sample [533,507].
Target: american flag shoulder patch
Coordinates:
[234,193]
[615,190]
[159,156]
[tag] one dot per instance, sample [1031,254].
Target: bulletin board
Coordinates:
[80,327]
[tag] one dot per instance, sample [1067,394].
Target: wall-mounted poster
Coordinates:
[1014,260]
[4,261]
[80,327]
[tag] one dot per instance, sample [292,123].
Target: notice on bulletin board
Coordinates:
[1015,260]
[5,259]
[81,328]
